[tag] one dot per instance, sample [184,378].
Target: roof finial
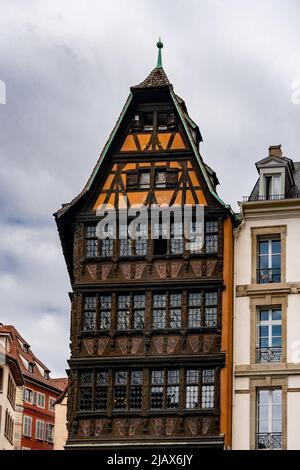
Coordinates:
[159,61]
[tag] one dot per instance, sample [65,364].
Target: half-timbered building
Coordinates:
[151,321]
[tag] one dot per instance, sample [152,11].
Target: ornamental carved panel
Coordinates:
[78,251]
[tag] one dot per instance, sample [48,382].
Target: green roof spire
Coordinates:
[159,61]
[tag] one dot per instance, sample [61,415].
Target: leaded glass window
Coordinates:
[105,312]
[106,247]
[131,311]
[89,315]
[208,388]
[101,390]
[123,313]
[200,388]
[138,311]
[91,241]
[192,389]
[176,241]
[128,389]
[211,236]
[211,309]
[194,309]
[164,389]
[159,310]
[86,391]
[166,311]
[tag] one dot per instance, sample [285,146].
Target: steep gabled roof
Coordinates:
[18,354]
[155,80]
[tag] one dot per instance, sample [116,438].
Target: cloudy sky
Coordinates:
[68,65]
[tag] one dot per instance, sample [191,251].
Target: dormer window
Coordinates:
[30,367]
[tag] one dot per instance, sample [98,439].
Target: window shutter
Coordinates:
[132,180]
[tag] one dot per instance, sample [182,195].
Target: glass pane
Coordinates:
[172,397]
[264,315]
[276,330]
[173,376]
[101,378]
[276,246]
[138,319]
[276,314]
[136,377]
[157,377]
[192,396]
[211,226]
[276,395]
[264,262]
[91,248]
[263,397]
[192,376]
[276,261]
[195,299]
[86,379]
[120,378]
[157,394]
[263,247]
[208,393]
[160,179]
[208,375]
[211,298]
[276,342]
[91,231]
[194,318]
[263,331]
[144,179]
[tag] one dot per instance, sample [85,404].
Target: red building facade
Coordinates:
[39,395]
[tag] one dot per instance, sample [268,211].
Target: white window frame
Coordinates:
[31,398]
[37,428]
[270,410]
[51,399]
[271,172]
[39,395]
[27,419]
[47,427]
[269,323]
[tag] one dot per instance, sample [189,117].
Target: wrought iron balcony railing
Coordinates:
[268,354]
[270,197]
[265,276]
[269,440]
[274,197]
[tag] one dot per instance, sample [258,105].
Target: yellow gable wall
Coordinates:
[114,192]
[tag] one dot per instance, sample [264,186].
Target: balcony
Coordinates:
[268,354]
[270,197]
[265,276]
[269,440]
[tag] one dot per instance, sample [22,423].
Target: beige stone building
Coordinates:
[60,427]
[266,401]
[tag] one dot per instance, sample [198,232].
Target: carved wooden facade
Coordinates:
[151,321]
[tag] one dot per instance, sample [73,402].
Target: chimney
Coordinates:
[275,151]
